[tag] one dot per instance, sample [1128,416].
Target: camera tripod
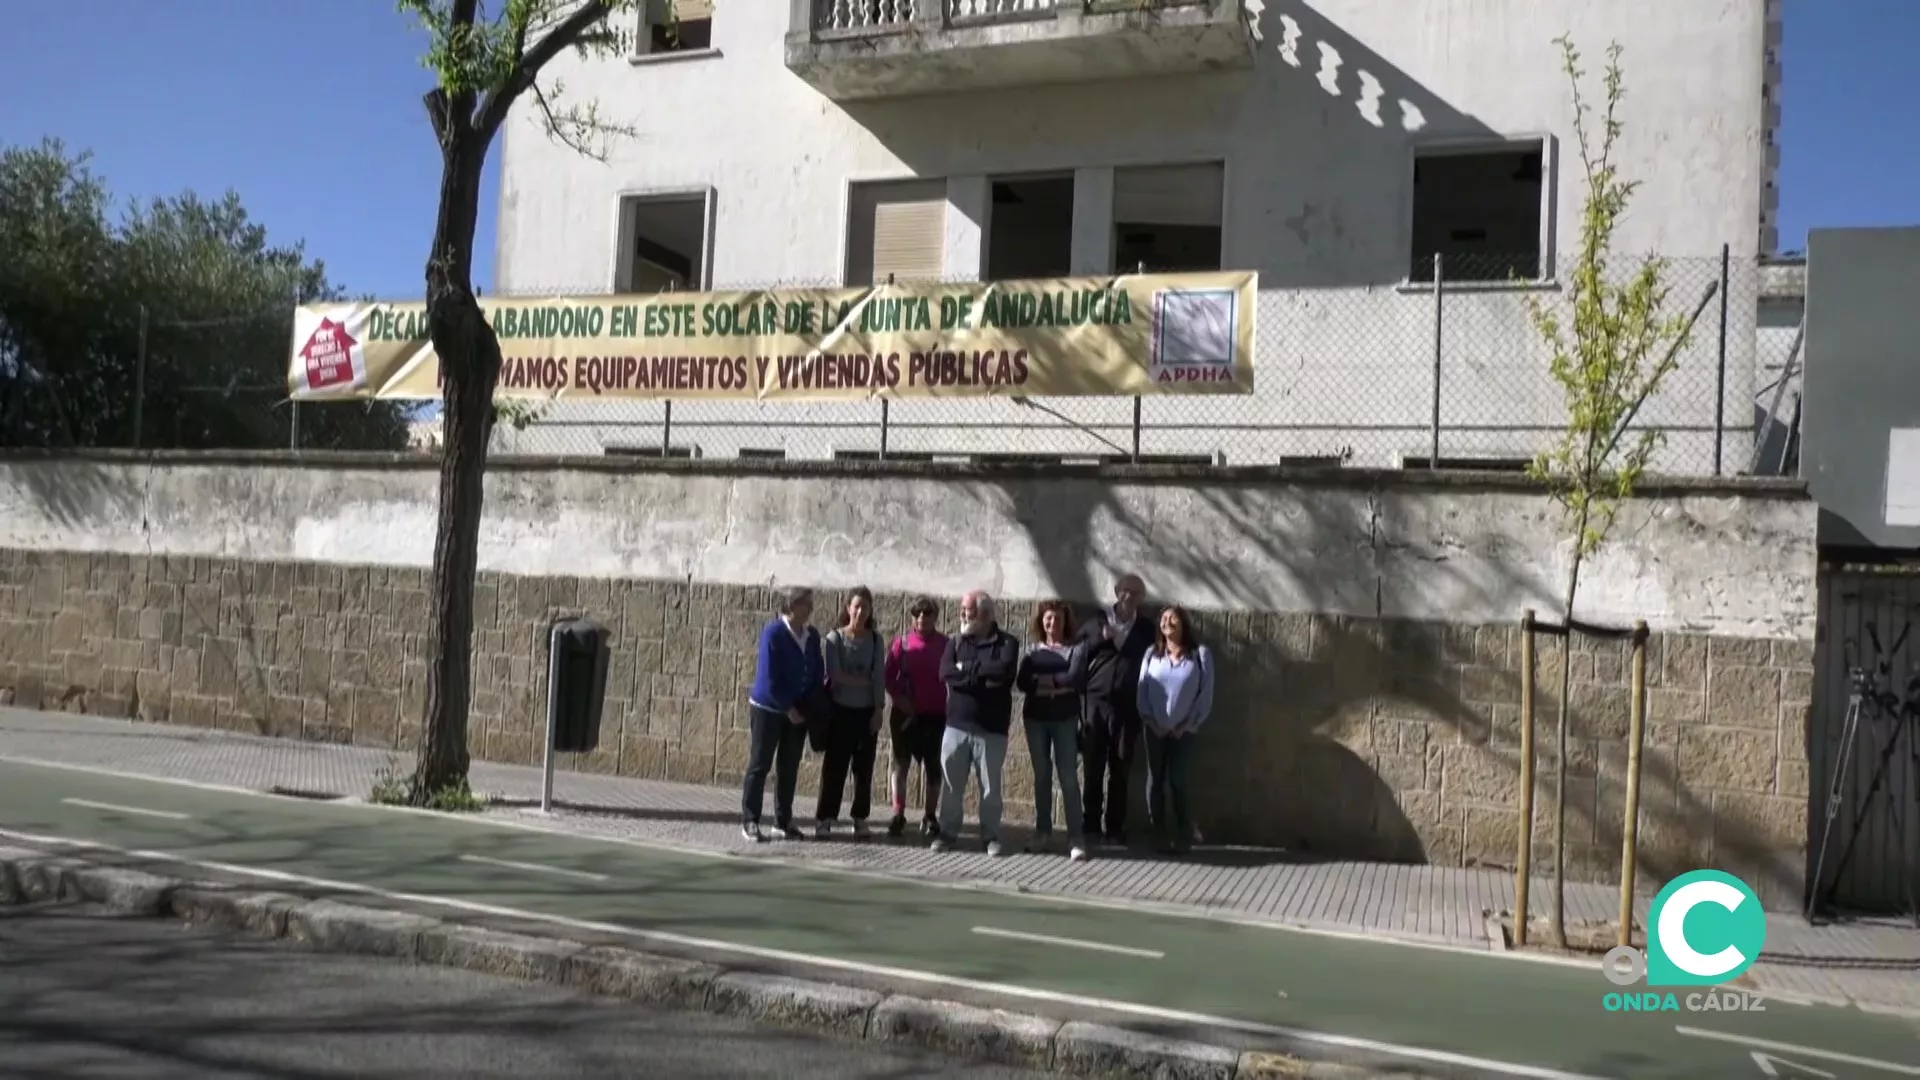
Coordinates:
[1892,716]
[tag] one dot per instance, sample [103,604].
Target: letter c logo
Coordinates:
[1673,928]
[1728,929]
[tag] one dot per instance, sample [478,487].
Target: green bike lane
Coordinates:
[1511,1016]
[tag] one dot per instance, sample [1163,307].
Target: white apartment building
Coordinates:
[1334,146]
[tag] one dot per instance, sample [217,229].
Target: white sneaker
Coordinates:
[993,849]
[860,830]
[1077,854]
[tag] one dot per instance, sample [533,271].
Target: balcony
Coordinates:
[865,49]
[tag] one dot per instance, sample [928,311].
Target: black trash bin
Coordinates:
[577,655]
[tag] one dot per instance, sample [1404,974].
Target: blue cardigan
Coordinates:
[785,673]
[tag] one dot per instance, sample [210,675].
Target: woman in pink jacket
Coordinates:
[919,716]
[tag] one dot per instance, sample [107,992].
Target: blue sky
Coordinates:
[311,111]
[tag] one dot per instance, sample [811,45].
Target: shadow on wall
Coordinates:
[72,491]
[1317,135]
[1366,735]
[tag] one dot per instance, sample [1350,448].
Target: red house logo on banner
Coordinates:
[328,355]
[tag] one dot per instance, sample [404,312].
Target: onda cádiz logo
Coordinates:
[1704,929]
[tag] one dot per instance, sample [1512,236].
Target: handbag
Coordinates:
[816,708]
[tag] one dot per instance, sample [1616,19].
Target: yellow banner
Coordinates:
[1136,334]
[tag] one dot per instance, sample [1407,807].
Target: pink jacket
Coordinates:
[913,672]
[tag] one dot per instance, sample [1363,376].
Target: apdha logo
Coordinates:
[1705,928]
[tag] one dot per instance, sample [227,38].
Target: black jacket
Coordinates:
[1070,669]
[1113,667]
[979,676]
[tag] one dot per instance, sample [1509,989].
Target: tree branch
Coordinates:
[573,128]
[493,112]
[441,115]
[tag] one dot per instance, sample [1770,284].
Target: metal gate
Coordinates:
[1855,600]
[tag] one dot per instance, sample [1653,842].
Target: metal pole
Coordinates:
[884,409]
[1636,735]
[1139,267]
[1439,292]
[1720,383]
[1523,869]
[293,425]
[140,383]
[553,710]
[666,430]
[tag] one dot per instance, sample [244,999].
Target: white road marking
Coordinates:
[1349,1042]
[1800,1051]
[534,868]
[118,809]
[1071,943]
[817,866]
[1770,1066]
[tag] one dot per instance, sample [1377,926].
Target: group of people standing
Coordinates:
[1093,692]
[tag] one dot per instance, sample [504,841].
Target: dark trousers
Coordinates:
[918,740]
[1169,811]
[776,743]
[1109,738]
[851,744]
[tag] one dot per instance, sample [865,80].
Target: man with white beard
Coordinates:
[978,667]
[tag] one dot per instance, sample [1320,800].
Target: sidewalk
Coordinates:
[1873,965]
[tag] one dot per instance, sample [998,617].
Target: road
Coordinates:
[1494,1014]
[85,996]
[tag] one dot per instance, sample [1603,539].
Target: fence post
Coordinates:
[1720,383]
[140,383]
[885,410]
[293,425]
[666,427]
[1636,734]
[1523,865]
[1439,303]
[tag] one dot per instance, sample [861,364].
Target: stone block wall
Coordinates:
[1336,734]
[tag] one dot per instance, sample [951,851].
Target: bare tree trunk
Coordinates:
[1557,912]
[469,355]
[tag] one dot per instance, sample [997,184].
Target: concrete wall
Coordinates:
[1318,140]
[1367,629]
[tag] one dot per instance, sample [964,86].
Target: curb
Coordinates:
[1022,1040]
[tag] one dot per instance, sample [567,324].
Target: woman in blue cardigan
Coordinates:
[788,672]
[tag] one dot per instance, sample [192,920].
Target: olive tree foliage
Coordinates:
[164,324]
[1611,344]
[485,57]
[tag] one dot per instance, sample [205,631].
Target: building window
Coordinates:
[670,26]
[1480,209]
[1166,218]
[1030,228]
[663,240]
[896,230]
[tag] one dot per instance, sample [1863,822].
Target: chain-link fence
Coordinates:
[156,381]
[1453,372]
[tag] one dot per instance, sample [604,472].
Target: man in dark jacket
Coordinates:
[1115,640]
[978,667]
